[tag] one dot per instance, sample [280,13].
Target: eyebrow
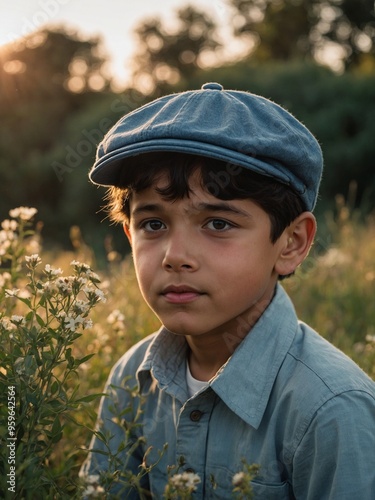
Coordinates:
[147,207]
[221,207]
[200,207]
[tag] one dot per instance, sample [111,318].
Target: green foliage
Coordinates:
[334,290]
[164,56]
[40,319]
[287,29]
[51,132]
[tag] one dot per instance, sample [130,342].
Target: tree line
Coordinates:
[56,100]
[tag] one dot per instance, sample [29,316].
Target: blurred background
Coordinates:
[71,68]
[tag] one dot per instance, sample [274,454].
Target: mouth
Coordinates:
[180,294]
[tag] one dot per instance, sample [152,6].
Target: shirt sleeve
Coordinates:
[335,460]
[115,451]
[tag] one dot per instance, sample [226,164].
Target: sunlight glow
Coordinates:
[14,67]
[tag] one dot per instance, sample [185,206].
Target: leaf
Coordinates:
[55,387]
[25,301]
[79,362]
[29,316]
[40,320]
[87,399]
[31,398]
[56,431]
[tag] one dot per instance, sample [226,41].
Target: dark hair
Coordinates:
[223,180]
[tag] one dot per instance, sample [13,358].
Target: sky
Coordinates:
[113,20]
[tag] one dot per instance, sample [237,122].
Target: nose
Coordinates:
[180,253]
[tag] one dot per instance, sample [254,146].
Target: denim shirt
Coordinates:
[286,400]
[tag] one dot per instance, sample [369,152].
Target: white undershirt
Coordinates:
[193,384]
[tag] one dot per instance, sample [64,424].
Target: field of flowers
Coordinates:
[63,324]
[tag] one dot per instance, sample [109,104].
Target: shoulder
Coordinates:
[317,380]
[323,366]
[323,396]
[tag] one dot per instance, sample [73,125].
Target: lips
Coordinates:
[180,294]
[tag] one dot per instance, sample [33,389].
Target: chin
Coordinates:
[181,330]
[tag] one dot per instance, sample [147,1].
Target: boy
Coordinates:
[215,190]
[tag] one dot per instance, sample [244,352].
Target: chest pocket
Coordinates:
[280,491]
[222,490]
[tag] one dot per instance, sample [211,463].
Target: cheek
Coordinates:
[145,268]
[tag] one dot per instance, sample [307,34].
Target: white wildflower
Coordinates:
[94,294]
[12,293]
[186,481]
[64,285]
[115,316]
[80,281]
[87,323]
[33,260]
[80,307]
[80,266]
[93,276]
[100,295]
[93,488]
[7,236]
[238,479]
[47,288]
[32,246]
[18,320]
[9,225]
[24,213]
[4,278]
[117,320]
[72,323]
[19,366]
[52,271]
[5,324]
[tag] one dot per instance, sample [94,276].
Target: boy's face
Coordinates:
[205,266]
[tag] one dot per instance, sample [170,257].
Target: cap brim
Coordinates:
[107,171]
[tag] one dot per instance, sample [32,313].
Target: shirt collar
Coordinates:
[245,382]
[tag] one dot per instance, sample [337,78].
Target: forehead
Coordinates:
[150,202]
[163,189]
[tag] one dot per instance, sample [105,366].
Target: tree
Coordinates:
[285,29]
[39,92]
[166,56]
[48,63]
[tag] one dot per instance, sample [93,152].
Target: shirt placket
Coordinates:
[192,435]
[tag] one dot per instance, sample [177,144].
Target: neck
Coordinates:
[211,351]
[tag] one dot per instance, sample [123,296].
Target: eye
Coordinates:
[219,225]
[152,225]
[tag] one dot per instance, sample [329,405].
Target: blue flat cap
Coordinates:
[232,126]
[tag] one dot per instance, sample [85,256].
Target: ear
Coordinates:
[127,232]
[296,242]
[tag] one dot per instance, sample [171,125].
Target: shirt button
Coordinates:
[195,415]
